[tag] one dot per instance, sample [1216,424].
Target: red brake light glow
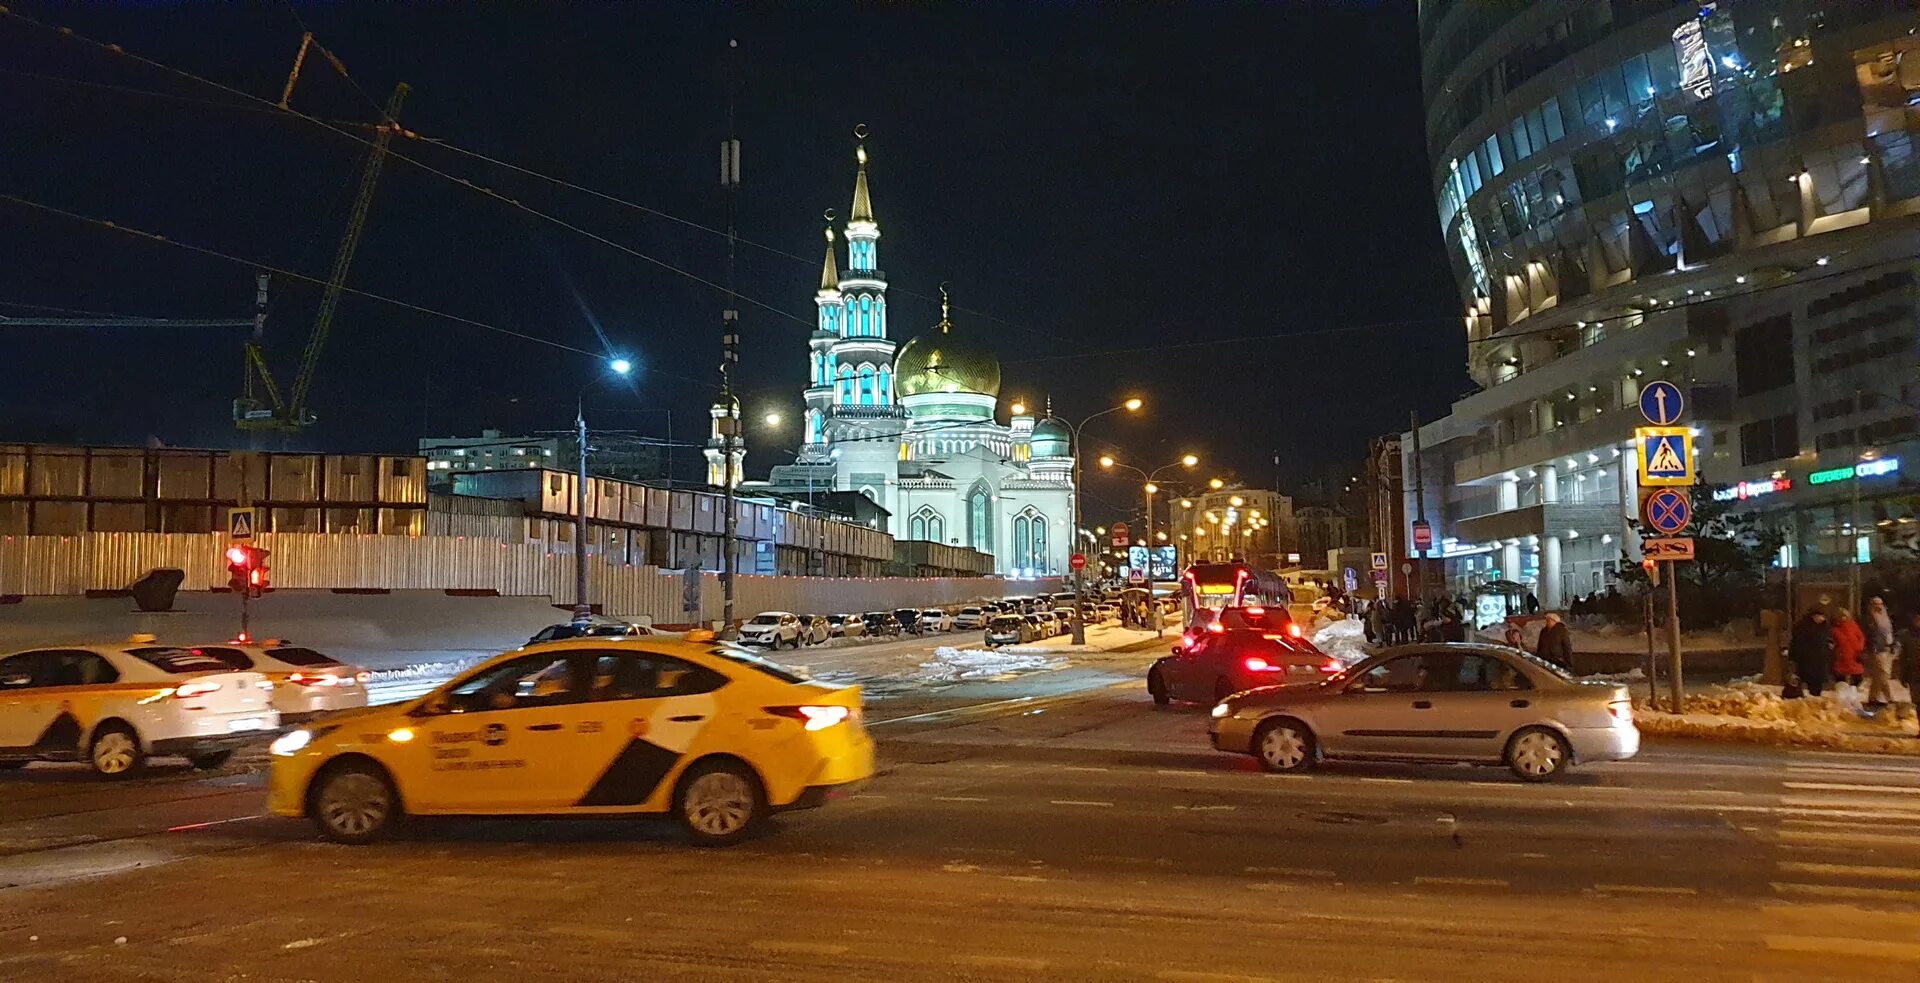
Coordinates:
[1216,627]
[1255,663]
[1256,610]
[1330,667]
[190,690]
[1293,628]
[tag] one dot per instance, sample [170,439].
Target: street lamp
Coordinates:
[1151,488]
[582,608]
[1216,484]
[1132,405]
[772,419]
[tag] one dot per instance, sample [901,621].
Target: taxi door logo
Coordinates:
[494,735]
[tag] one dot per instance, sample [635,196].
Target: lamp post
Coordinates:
[1079,578]
[1150,487]
[582,608]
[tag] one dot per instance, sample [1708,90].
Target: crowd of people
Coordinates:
[1398,621]
[1832,648]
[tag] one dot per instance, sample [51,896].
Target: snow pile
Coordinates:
[410,681]
[1751,711]
[952,665]
[1345,640]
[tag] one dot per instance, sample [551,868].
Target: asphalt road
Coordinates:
[1065,836]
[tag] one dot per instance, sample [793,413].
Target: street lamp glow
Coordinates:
[1101,530]
[1216,484]
[1186,503]
[1019,409]
[620,366]
[1133,405]
[1106,461]
[1152,489]
[773,419]
[1236,501]
[1190,460]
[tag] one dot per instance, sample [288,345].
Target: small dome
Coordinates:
[944,363]
[1051,438]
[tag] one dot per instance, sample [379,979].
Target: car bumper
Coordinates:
[287,780]
[1604,743]
[1231,734]
[295,705]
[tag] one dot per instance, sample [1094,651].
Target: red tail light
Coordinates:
[1293,628]
[813,717]
[186,691]
[1621,710]
[1216,627]
[1256,610]
[1330,667]
[319,679]
[1255,663]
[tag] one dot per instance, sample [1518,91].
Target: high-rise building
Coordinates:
[1725,195]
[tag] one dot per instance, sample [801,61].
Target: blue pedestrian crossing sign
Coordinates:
[1661,403]
[1666,456]
[1668,510]
[240,523]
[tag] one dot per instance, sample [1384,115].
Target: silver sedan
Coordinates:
[1481,704]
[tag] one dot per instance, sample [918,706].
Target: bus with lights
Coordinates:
[1207,588]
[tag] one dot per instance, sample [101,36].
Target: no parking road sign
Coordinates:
[1668,510]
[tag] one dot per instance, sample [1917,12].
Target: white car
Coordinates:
[934,619]
[969,618]
[305,682]
[1063,620]
[815,629]
[772,629]
[114,706]
[1109,612]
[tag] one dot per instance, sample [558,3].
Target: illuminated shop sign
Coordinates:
[1751,489]
[1865,469]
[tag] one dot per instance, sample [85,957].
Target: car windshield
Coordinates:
[768,666]
[1006,624]
[295,656]
[179,661]
[836,619]
[765,619]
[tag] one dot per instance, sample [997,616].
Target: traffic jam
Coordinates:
[602,717]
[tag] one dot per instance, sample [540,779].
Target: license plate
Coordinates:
[245,723]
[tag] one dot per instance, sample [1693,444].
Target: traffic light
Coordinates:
[1652,567]
[247,569]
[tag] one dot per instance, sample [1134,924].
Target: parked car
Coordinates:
[1063,617]
[814,629]
[971,617]
[1048,623]
[846,625]
[596,626]
[909,619]
[880,623]
[1007,629]
[1479,704]
[772,629]
[935,620]
[1107,611]
[1036,626]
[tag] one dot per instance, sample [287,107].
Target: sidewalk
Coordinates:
[1750,712]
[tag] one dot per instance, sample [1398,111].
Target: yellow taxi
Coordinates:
[714,735]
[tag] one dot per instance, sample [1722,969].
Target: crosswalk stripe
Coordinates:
[1832,787]
[1644,889]
[1851,870]
[1847,837]
[1853,949]
[1842,891]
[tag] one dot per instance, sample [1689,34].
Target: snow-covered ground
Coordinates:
[1345,640]
[1749,711]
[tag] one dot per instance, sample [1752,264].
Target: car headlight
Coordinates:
[1221,709]
[291,742]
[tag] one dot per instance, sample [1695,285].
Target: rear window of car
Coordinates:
[296,656]
[182,661]
[757,663]
[1006,624]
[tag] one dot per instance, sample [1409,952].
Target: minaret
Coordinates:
[820,374]
[716,463]
[862,356]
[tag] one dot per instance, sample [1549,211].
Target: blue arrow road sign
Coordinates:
[1669,510]
[1661,403]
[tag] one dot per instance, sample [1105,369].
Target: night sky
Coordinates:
[1092,182]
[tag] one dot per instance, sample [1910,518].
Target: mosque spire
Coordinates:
[862,203]
[945,324]
[830,273]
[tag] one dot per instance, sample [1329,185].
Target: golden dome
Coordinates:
[942,362]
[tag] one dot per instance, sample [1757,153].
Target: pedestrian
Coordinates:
[1556,643]
[1848,643]
[1879,657]
[1811,651]
[1376,623]
[1452,629]
[1515,638]
[1533,603]
[1907,640]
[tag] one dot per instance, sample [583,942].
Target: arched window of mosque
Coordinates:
[866,315]
[936,529]
[867,490]
[1019,540]
[846,383]
[919,528]
[866,385]
[886,386]
[980,519]
[846,321]
[880,316]
[1038,539]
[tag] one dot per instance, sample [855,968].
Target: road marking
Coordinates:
[1845,838]
[1494,785]
[1851,870]
[1832,787]
[1080,802]
[1838,891]
[210,822]
[1463,881]
[1643,889]
[1181,772]
[1389,781]
[1082,768]
[1003,962]
[802,948]
[1293,778]
[959,798]
[1205,808]
[1293,871]
[1195,976]
[1812,807]
[1851,948]
[1028,878]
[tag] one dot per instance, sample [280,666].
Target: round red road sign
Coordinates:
[1078,562]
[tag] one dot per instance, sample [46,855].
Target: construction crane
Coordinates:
[290,414]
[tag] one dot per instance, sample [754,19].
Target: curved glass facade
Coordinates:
[1581,146]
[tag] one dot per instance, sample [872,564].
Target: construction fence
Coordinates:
[77,564]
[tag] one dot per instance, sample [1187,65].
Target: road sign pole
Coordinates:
[1674,683]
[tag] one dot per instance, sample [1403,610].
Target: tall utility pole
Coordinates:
[1419,507]
[730,342]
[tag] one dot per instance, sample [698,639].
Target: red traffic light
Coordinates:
[238,556]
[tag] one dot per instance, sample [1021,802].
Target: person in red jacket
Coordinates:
[1848,642]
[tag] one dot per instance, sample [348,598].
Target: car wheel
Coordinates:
[1537,754]
[209,760]
[1157,688]
[115,752]
[719,803]
[1284,745]
[353,803]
